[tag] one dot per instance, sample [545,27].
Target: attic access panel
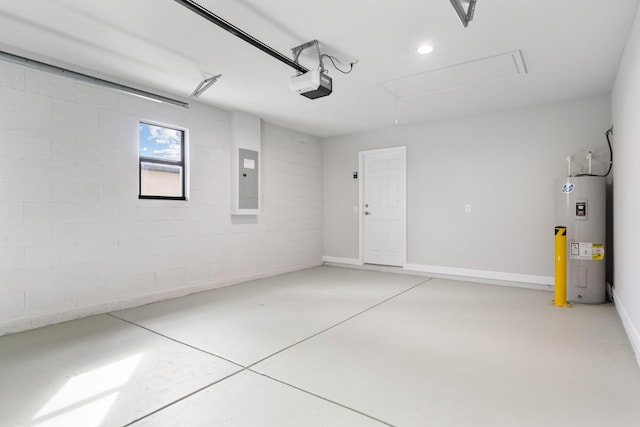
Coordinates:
[471,73]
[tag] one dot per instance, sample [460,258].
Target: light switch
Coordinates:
[467,208]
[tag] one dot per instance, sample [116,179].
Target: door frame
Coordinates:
[403,193]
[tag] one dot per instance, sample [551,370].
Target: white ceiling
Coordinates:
[569,48]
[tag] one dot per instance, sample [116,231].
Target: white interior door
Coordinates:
[383,218]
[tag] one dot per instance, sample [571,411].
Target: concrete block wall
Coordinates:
[74,238]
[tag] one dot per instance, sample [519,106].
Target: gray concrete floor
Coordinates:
[329,347]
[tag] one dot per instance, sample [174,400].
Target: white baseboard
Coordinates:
[32,322]
[632,332]
[338,260]
[480,276]
[489,277]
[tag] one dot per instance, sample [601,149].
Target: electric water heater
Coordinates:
[581,207]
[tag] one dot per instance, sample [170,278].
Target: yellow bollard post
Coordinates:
[560,285]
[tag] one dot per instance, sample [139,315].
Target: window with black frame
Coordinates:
[162,162]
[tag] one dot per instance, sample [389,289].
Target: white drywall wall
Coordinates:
[625,109]
[503,164]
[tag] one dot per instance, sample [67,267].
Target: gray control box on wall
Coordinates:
[245,164]
[248,168]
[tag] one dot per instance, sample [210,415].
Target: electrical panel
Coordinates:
[248,179]
[245,164]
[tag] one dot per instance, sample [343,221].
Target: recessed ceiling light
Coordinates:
[424,49]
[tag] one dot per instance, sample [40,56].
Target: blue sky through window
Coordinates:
[159,142]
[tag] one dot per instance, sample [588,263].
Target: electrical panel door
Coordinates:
[248,195]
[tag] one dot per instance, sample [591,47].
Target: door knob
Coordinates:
[367,213]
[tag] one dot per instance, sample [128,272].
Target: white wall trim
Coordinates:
[28,323]
[632,332]
[339,260]
[483,276]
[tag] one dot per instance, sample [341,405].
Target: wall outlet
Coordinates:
[467,208]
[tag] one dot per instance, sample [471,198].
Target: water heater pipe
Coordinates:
[589,157]
[569,166]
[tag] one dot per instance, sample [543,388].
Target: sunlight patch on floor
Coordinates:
[87,398]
